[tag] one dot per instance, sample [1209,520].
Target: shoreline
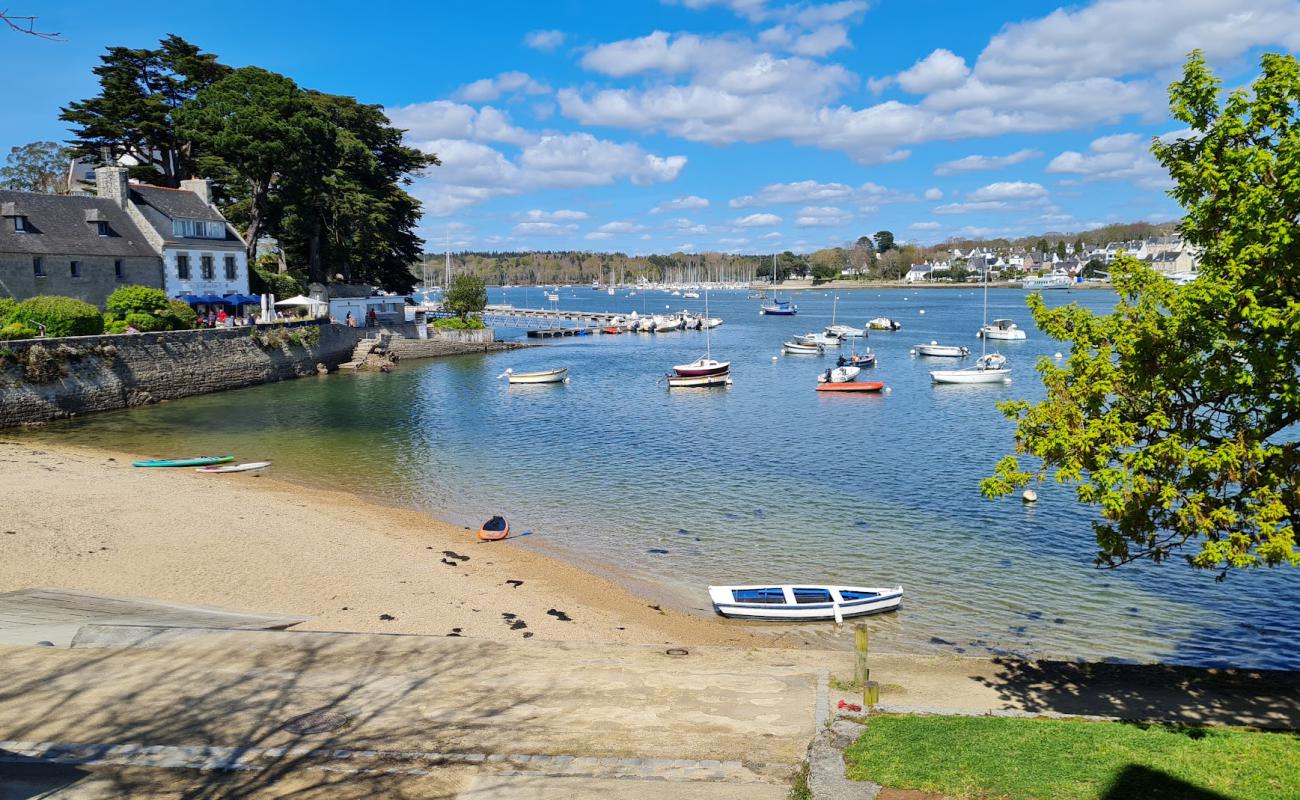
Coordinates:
[83,518]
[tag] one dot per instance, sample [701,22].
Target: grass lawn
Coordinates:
[995,757]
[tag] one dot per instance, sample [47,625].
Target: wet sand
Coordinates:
[86,519]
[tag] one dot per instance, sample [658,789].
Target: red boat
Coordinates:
[857,386]
[702,366]
[611,330]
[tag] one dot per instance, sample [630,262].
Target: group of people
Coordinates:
[372,319]
[218,318]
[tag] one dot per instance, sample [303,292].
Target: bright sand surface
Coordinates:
[88,520]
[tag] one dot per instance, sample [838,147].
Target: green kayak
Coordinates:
[201,461]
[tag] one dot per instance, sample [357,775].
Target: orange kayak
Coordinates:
[864,386]
[494,530]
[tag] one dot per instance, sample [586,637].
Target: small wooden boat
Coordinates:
[852,386]
[702,366]
[698,381]
[802,602]
[199,461]
[884,324]
[247,467]
[839,375]
[549,376]
[797,349]
[854,360]
[494,530]
[941,350]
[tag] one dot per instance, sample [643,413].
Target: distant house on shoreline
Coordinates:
[128,234]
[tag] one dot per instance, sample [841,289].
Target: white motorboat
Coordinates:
[941,350]
[709,323]
[991,368]
[818,339]
[883,324]
[690,323]
[844,374]
[802,602]
[798,349]
[844,332]
[690,295]
[667,324]
[1002,329]
[548,376]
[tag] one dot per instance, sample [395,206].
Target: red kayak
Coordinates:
[864,386]
[494,530]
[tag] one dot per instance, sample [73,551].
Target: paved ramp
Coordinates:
[485,720]
[31,616]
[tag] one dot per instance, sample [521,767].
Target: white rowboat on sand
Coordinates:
[802,602]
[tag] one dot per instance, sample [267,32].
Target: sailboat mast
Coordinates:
[984,335]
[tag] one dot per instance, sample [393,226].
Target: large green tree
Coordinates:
[257,133]
[466,295]
[884,241]
[1176,414]
[36,167]
[140,91]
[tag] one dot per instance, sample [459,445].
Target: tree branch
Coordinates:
[27,25]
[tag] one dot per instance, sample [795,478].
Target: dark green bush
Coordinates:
[116,326]
[264,280]
[146,323]
[458,324]
[61,316]
[136,300]
[7,305]
[179,316]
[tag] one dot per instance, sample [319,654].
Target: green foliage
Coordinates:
[17,330]
[884,241]
[7,305]
[146,323]
[140,91]
[1028,759]
[179,316]
[1060,249]
[115,326]
[36,167]
[137,300]
[467,295]
[459,324]
[266,281]
[1094,268]
[61,316]
[1175,414]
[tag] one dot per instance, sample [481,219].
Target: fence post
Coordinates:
[861,672]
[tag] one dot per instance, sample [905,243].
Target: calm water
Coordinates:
[765,480]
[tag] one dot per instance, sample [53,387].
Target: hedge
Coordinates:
[146,323]
[17,330]
[136,300]
[179,316]
[61,316]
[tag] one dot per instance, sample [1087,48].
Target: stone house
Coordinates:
[78,246]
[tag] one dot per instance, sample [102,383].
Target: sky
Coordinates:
[718,125]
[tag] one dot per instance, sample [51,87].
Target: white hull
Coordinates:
[839,375]
[1011,335]
[803,602]
[941,350]
[971,375]
[819,339]
[550,376]
[218,469]
[844,332]
[796,349]
[699,381]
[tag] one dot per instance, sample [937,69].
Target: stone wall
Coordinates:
[447,343]
[43,379]
[96,281]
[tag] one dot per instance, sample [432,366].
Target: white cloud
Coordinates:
[443,119]
[942,69]
[926,226]
[620,226]
[487,89]
[560,215]
[757,221]
[822,217]
[772,235]
[580,159]
[544,40]
[1124,156]
[752,10]
[599,235]
[1007,190]
[981,163]
[544,229]
[687,226]
[934,194]
[797,192]
[681,204]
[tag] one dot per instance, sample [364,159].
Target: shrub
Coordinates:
[7,305]
[267,281]
[116,326]
[61,316]
[458,324]
[146,323]
[466,295]
[129,300]
[17,330]
[179,316]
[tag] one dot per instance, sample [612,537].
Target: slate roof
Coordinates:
[161,205]
[61,227]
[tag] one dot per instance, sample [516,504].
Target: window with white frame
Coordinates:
[199,228]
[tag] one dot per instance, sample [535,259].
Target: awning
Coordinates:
[190,299]
[300,300]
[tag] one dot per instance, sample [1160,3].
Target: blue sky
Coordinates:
[732,125]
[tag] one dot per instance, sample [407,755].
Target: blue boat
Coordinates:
[866,360]
[779,308]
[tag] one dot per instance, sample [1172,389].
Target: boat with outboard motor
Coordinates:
[884,324]
[941,350]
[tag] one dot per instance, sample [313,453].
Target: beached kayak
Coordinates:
[200,461]
[494,530]
[217,469]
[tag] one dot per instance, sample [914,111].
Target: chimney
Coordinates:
[110,181]
[200,186]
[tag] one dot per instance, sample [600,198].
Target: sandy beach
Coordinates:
[86,519]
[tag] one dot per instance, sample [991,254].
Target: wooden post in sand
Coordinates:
[861,672]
